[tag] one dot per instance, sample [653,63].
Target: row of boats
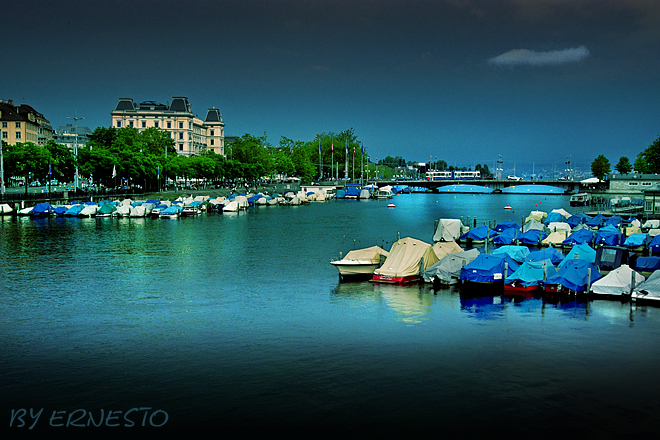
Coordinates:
[605,267]
[189,206]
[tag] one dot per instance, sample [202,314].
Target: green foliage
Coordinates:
[648,161]
[600,166]
[623,166]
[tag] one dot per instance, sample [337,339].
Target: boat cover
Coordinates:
[372,254]
[365,194]
[518,253]
[573,275]
[340,194]
[611,257]
[578,219]
[615,220]
[637,239]
[617,282]
[442,249]
[531,273]
[5,208]
[649,289]
[539,216]
[449,229]
[60,210]
[507,224]
[448,269]
[554,217]
[597,221]
[583,251]
[550,253]
[533,224]
[479,233]
[353,191]
[531,237]
[563,212]
[654,245]
[609,235]
[559,226]
[404,258]
[41,209]
[578,237]
[651,224]
[488,268]
[648,264]
[554,238]
[506,237]
[107,208]
[74,210]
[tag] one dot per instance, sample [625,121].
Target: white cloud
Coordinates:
[532,58]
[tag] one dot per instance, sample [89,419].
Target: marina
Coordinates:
[174,316]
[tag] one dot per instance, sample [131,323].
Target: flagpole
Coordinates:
[332,164]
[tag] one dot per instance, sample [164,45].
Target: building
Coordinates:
[72,136]
[191,134]
[23,124]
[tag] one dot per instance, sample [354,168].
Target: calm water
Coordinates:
[237,321]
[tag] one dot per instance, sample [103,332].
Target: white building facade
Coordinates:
[191,134]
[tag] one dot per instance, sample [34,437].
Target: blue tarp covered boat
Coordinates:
[647,264]
[506,237]
[637,240]
[574,276]
[479,233]
[549,253]
[578,237]
[654,245]
[518,253]
[609,235]
[42,209]
[578,219]
[532,237]
[615,220]
[530,275]
[554,217]
[507,224]
[74,210]
[583,251]
[488,268]
[597,221]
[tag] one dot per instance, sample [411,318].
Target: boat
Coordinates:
[580,199]
[25,211]
[124,210]
[382,193]
[580,251]
[171,212]
[190,210]
[74,210]
[508,207]
[138,212]
[506,237]
[517,253]
[649,290]
[6,209]
[618,283]
[360,263]
[647,265]
[507,224]
[637,242]
[578,237]
[478,235]
[533,237]
[554,238]
[488,270]
[231,207]
[447,271]
[107,210]
[391,205]
[404,262]
[549,253]
[529,278]
[574,276]
[449,229]
[608,235]
[365,194]
[89,211]
[41,210]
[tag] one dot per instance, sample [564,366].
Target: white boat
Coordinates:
[580,199]
[172,212]
[360,262]
[138,211]
[5,209]
[89,211]
[649,290]
[383,193]
[124,210]
[25,211]
[231,207]
[190,210]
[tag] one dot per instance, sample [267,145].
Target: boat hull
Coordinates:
[394,280]
[355,268]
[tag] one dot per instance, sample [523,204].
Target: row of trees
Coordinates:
[647,162]
[125,156]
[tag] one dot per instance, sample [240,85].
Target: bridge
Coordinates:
[567,186]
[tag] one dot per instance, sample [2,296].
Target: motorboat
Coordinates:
[528,278]
[618,283]
[171,212]
[447,271]
[6,209]
[360,263]
[404,262]
[574,276]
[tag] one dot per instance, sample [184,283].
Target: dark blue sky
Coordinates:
[464,81]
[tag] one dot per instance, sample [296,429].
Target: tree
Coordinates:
[27,160]
[600,166]
[648,161]
[623,166]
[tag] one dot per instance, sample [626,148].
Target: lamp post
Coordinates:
[2,171]
[75,147]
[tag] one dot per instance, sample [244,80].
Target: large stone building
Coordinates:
[191,134]
[23,124]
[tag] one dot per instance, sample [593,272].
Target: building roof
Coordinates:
[213,115]
[125,104]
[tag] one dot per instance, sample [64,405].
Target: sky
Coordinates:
[539,82]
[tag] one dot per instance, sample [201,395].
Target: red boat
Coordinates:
[394,280]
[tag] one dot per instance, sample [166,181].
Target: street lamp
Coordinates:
[75,146]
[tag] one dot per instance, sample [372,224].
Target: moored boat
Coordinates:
[360,263]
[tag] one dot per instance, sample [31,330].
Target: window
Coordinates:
[212,132]
[18,125]
[4,125]
[181,125]
[648,206]
[169,124]
[4,135]
[118,124]
[633,183]
[144,124]
[180,147]
[211,141]
[18,135]
[156,124]
[646,183]
[181,135]
[130,123]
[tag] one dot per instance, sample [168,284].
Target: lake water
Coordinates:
[238,323]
